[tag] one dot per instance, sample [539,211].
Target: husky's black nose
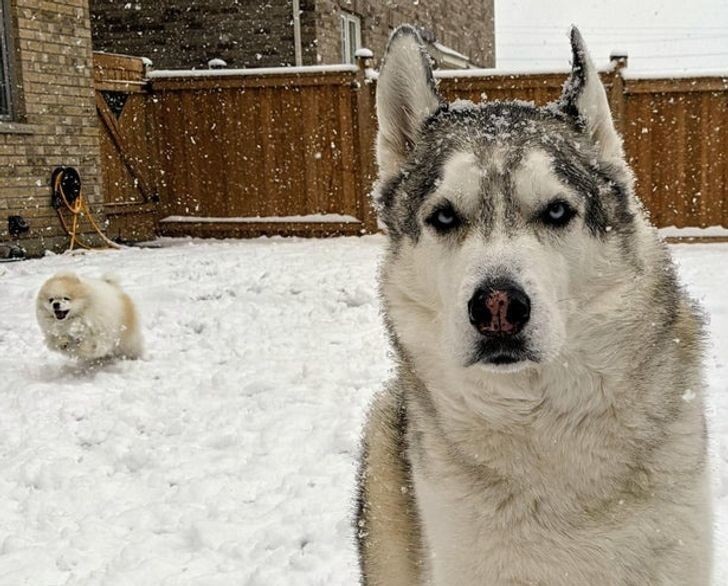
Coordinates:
[56,305]
[499,310]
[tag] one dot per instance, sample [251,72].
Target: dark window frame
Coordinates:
[8,109]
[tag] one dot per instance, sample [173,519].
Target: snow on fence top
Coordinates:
[694,232]
[439,73]
[496,72]
[503,72]
[318,218]
[371,73]
[674,73]
[163,73]
[452,73]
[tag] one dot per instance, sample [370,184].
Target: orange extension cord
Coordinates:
[77,209]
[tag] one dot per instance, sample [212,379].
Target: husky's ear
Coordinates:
[584,98]
[406,96]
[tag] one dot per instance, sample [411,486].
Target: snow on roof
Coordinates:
[364,53]
[164,73]
[325,218]
[449,51]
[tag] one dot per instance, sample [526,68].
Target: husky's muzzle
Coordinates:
[499,311]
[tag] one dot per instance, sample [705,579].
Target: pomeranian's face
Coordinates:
[61,297]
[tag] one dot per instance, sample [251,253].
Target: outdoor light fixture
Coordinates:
[17,226]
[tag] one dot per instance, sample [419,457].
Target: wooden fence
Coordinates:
[128,152]
[251,154]
[237,153]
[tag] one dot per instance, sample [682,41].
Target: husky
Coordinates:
[545,424]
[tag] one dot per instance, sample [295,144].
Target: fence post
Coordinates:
[618,61]
[366,127]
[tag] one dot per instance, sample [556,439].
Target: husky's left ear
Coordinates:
[584,98]
[406,96]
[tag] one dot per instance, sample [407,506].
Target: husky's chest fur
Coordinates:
[549,497]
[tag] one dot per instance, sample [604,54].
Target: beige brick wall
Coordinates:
[55,122]
[464,25]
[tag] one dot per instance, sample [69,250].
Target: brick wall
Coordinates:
[464,25]
[55,122]
[254,33]
[188,33]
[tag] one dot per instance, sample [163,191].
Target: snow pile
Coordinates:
[227,456]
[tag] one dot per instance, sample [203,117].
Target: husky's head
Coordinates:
[509,224]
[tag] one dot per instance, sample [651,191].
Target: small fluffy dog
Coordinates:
[88,319]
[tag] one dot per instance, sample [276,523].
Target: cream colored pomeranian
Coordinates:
[88,319]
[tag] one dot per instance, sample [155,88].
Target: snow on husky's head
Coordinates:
[511,226]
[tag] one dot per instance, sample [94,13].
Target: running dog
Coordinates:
[88,319]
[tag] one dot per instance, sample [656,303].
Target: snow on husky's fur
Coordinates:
[227,456]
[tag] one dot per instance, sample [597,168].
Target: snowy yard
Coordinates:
[227,456]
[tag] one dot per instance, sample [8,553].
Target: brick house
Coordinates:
[273,33]
[47,114]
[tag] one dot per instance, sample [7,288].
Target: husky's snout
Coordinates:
[499,309]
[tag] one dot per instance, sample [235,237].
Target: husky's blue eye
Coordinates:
[444,218]
[557,213]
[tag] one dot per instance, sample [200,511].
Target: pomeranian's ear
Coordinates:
[406,96]
[67,276]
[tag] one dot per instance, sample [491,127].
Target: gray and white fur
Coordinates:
[545,424]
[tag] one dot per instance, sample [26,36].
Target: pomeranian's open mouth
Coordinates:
[60,314]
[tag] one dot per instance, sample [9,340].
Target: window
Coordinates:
[350,36]
[6,109]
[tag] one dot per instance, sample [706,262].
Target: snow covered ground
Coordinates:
[227,456]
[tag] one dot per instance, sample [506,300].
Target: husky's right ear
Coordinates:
[585,99]
[406,96]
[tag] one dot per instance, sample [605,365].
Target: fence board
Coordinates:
[675,139]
